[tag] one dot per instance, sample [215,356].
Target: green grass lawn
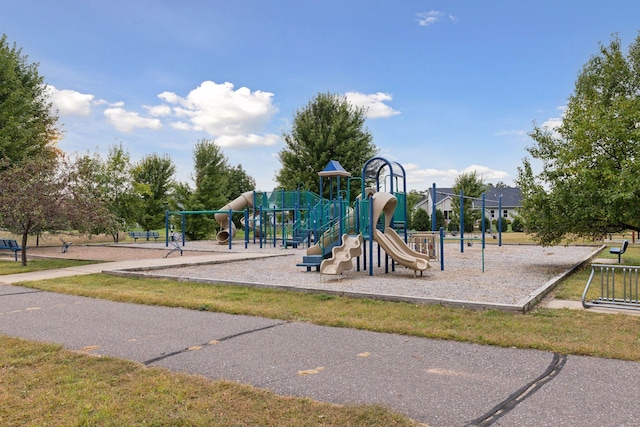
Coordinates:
[15,267]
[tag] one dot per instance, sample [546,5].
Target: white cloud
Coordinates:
[127,121]
[428,18]
[421,179]
[159,110]
[247,141]
[220,110]
[374,103]
[552,124]
[485,173]
[70,102]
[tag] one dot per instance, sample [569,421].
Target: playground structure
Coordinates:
[337,228]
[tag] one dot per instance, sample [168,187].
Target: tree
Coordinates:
[210,193]
[153,178]
[43,194]
[589,185]
[327,128]
[413,198]
[440,222]
[113,182]
[472,186]
[28,128]
[420,220]
[238,182]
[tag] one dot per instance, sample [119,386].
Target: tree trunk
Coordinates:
[23,253]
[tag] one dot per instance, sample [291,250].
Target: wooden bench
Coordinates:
[11,245]
[619,251]
[144,235]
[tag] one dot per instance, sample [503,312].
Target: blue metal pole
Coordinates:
[461,221]
[500,220]
[484,227]
[275,227]
[261,227]
[441,248]
[433,208]
[184,227]
[230,225]
[166,228]
[371,225]
[246,226]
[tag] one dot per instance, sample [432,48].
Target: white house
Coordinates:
[511,202]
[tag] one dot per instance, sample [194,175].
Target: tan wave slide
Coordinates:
[342,255]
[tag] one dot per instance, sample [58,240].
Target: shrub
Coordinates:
[517,224]
[505,224]
[420,220]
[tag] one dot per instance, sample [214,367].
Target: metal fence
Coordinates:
[614,286]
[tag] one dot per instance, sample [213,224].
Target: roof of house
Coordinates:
[511,196]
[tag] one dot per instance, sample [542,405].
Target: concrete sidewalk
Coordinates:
[138,264]
[440,383]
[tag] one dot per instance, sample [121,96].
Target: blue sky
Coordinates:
[451,86]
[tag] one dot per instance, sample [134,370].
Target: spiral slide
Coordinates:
[389,241]
[228,228]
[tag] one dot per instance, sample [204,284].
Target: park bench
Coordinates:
[619,251]
[144,235]
[11,245]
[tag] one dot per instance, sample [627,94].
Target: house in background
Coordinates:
[511,202]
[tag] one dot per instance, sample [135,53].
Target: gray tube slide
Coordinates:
[228,228]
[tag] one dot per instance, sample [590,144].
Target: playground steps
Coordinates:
[311,261]
[299,237]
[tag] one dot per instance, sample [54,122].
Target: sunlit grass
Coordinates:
[13,267]
[44,385]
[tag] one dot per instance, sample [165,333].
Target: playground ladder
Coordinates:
[619,287]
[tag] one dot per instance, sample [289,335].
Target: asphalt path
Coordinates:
[440,383]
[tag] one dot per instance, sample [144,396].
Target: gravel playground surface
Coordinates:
[513,276]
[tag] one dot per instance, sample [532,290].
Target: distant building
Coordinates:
[511,202]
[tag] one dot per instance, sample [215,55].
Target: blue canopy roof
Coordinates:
[334,168]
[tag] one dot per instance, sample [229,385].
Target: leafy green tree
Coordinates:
[589,184]
[472,186]
[216,183]
[420,220]
[413,198]
[327,128]
[239,181]
[211,179]
[43,194]
[152,179]
[112,180]
[28,128]
[210,174]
